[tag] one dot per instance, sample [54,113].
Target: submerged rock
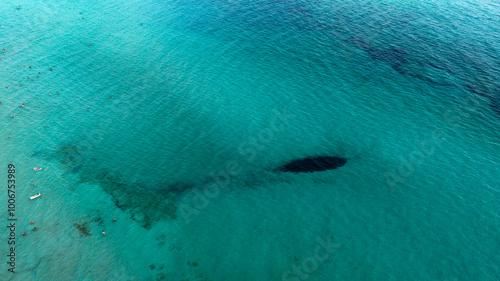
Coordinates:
[314,164]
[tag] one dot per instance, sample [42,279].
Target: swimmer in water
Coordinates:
[32,222]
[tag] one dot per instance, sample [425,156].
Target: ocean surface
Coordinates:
[174,117]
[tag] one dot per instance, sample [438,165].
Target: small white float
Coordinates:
[35,196]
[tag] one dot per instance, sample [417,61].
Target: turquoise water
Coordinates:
[175,118]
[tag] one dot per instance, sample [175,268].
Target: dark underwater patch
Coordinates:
[83,229]
[495,104]
[41,154]
[144,206]
[400,61]
[404,64]
[70,156]
[314,164]
[494,99]
[76,169]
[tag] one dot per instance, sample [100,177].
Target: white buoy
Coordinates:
[35,196]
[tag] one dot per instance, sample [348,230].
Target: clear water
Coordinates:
[173,95]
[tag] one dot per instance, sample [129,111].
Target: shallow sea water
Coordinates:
[176,117]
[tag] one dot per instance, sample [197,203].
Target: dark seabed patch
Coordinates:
[83,228]
[70,156]
[406,64]
[144,206]
[314,164]
[76,169]
[400,61]
[494,100]
[495,104]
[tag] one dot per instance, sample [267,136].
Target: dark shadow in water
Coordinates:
[76,169]
[70,157]
[145,206]
[494,99]
[398,59]
[314,164]
[83,228]
[495,104]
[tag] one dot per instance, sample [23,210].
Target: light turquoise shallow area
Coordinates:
[173,96]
